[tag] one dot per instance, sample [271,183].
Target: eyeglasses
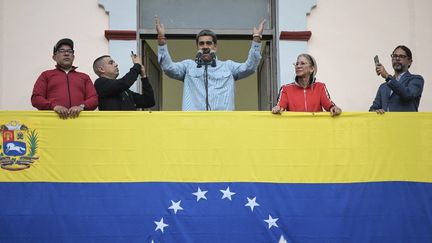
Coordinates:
[300,63]
[209,43]
[395,56]
[63,51]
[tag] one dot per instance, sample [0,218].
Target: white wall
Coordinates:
[122,16]
[346,35]
[29,30]
[1,51]
[291,16]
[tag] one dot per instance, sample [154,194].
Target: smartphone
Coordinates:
[376,60]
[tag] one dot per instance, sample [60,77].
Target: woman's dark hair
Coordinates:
[206,33]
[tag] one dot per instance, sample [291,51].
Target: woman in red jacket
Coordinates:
[305,94]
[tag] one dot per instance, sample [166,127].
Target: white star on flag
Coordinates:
[175,206]
[160,225]
[200,194]
[252,203]
[227,193]
[271,221]
[282,240]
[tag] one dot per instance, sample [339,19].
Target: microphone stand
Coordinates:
[200,62]
[206,84]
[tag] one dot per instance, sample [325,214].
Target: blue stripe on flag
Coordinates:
[227,212]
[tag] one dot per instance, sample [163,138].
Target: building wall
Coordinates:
[1,51]
[28,32]
[346,35]
[291,16]
[122,16]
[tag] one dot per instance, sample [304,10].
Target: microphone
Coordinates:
[213,58]
[198,59]
[199,54]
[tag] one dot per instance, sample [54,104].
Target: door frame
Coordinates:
[268,36]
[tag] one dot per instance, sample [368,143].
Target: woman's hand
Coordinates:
[278,110]
[335,111]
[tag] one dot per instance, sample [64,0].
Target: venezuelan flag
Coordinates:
[215,177]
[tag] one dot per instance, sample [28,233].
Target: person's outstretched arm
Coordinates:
[242,70]
[175,70]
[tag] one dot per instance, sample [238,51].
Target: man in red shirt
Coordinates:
[63,89]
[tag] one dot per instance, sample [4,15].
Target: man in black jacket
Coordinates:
[114,94]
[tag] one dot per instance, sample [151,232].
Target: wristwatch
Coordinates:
[82,106]
[257,35]
[389,77]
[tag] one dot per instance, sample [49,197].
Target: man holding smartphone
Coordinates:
[402,90]
[114,94]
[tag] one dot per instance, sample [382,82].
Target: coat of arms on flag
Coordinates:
[18,146]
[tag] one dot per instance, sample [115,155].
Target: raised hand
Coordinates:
[260,29]
[136,59]
[160,28]
[380,70]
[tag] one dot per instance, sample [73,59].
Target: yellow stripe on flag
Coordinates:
[227,147]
